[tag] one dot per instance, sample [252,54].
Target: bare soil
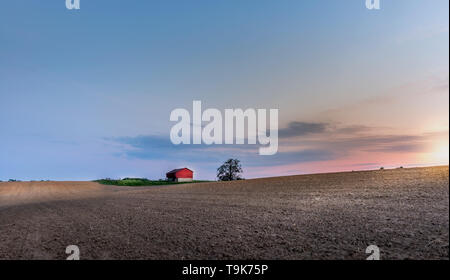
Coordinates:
[405,212]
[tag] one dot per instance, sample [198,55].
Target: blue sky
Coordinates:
[87,94]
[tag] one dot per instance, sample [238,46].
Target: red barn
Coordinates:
[180,175]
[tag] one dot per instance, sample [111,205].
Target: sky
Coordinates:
[87,94]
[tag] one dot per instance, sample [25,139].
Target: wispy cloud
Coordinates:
[156,147]
[296,128]
[301,143]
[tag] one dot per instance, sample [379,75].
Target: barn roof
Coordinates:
[178,169]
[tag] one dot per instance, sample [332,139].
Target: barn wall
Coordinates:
[183,180]
[185,173]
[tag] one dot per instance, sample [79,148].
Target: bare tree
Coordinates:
[230,170]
